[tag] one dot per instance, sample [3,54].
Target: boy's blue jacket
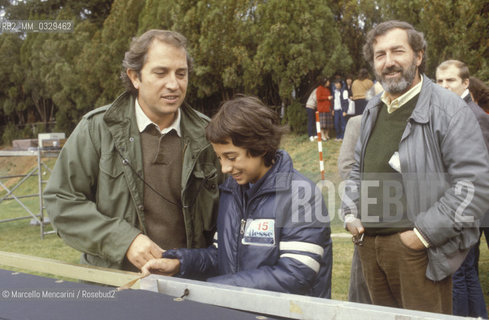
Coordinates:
[272,236]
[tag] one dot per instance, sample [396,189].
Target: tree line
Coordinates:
[273,49]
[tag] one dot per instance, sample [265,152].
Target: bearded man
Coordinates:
[417,188]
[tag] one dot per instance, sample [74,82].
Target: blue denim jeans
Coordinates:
[468,298]
[311,122]
[339,124]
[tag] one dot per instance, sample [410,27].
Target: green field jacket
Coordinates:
[94,197]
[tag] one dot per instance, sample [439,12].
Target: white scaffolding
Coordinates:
[39,217]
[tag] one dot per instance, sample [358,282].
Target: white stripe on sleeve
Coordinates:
[302,246]
[215,239]
[308,261]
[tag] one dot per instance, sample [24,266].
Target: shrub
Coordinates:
[10,132]
[296,117]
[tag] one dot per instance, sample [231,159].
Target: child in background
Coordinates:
[324,97]
[340,106]
[311,106]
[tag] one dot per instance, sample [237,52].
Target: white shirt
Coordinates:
[465,93]
[337,99]
[403,99]
[143,121]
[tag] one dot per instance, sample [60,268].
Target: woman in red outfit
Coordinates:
[324,97]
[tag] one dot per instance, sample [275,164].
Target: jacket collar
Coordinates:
[278,178]
[121,110]
[466,96]
[193,126]
[121,120]
[421,112]
[144,121]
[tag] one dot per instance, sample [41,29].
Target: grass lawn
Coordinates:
[21,237]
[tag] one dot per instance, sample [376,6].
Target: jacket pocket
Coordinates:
[203,195]
[422,250]
[113,196]
[111,165]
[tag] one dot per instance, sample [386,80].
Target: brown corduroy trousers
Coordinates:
[395,276]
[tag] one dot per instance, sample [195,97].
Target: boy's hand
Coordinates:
[162,266]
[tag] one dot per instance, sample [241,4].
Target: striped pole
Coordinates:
[320,145]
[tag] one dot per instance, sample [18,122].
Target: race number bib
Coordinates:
[259,232]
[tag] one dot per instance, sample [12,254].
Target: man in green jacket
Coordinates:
[137,176]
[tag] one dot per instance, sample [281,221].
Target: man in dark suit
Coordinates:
[468,298]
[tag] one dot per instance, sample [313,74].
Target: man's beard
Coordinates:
[398,86]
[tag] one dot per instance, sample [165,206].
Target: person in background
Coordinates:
[357,290]
[340,106]
[336,77]
[359,90]
[348,86]
[413,170]
[375,90]
[311,106]
[454,76]
[265,239]
[350,111]
[323,98]
[480,93]
[138,176]
[468,298]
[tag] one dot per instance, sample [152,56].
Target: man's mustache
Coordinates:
[391,69]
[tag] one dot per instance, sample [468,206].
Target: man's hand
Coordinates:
[354,226]
[141,250]
[162,266]
[411,240]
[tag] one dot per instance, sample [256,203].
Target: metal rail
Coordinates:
[252,300]
[280,304]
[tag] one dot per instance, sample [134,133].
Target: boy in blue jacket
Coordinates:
[273,226]
[340,107]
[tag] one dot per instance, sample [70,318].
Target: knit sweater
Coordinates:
[162,160]
[359,88]
[386,213]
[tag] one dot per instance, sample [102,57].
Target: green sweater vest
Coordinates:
[386,212]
